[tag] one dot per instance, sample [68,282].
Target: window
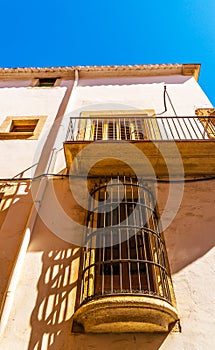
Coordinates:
[117,129]
[125,282]
[111,129]
[128,250]
[131,125]
[22,127]
[46,82]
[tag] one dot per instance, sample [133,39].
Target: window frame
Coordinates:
[152,274]
[36,82]
[146,129]
[6,128]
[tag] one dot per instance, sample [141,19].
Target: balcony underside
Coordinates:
[165,158]
[125,314]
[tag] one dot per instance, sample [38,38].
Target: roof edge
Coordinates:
[190,69]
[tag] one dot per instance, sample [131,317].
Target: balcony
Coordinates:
[165,142]
[125,280]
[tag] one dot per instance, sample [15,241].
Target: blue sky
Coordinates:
[67,32]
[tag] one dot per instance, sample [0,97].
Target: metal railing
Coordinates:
[125,252]
[139,128]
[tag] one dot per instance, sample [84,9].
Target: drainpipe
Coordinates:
[14,277]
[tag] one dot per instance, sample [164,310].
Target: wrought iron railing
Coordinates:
[125,252]
[139,128]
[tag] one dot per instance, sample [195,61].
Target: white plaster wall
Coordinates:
[132,93]
[140,93]
[18,155]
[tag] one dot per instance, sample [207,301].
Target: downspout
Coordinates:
[16,272]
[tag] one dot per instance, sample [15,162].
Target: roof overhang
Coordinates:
[141,70]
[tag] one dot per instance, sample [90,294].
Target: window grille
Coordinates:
[117,129]
[125,252]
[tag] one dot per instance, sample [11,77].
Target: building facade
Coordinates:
[106,198]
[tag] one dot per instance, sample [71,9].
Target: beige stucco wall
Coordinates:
[44,300]
[14,211]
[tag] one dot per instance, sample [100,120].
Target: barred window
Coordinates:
[117,129]
[125,252]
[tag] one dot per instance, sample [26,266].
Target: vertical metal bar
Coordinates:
[125,127]
[144,246]
[182,126]
[91,127]
[176,128]
[164,128]
[104,239]
[157,253]
[150,246]
[152,127]
[120,236]
[88,279]
[84,123]
[127,231]
[199,129]
[96,130]
[163,272]
[169,126]
[210,128]
[191,121]
[136,134]
[146,259]
[186,122]
[111,223]
[83,278]
[135,208]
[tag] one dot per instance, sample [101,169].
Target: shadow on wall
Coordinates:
[120,81]
[189,237]
[15,199]
[51,317]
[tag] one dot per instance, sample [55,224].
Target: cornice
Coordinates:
[97,71]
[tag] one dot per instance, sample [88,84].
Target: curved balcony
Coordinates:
[126,285]
[127,313]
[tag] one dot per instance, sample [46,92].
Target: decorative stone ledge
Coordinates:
[125,314]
